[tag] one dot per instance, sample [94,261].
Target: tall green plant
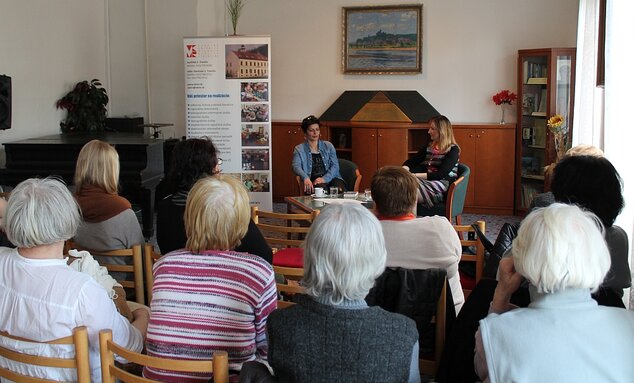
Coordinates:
[86,106]
[234,8]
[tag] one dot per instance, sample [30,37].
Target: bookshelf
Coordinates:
[545,88]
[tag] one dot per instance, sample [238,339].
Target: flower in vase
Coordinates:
[558,127]
[504,97]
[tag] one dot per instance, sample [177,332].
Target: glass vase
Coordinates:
[502,122]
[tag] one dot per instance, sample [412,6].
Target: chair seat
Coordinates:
[466,281]
[289,257]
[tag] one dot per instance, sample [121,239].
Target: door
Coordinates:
[364,153]
[392,147]
[494,157]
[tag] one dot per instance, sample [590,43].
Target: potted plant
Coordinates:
[86,106]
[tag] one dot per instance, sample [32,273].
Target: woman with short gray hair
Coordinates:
[563,335]
[344,253]
[41,214]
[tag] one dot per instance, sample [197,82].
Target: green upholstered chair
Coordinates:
[350,173]
[453,205]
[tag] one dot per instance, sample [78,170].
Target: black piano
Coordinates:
[141,160]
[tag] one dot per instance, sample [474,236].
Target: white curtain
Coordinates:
[603,118]
[588,114]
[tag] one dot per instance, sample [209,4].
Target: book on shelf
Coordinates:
[539,114]
[537,81]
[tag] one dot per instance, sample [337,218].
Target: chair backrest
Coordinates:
[422,295]
[279,228]
[218,366]
[350,173]
[463,233]
[456,194]
[133,265]
[149,258]
[80,361]
[290,285]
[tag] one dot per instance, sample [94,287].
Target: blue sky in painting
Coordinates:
[363,24]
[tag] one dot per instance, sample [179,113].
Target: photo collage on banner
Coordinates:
[228,99]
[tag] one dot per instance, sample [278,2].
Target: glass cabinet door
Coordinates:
[545,88]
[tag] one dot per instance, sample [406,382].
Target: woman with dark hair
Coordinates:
[315,161]
[436,165]
[594,184]
[192,160]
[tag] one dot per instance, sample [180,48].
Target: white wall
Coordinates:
[469,50]
[127,85]
[46,47]
[168,22]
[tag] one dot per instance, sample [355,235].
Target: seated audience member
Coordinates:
[331,335]
[108,220]
[411,242]
[315,160]
[207,297]
[594,184]
[43,298]
[545,199]
[193,159]
[563,335]
[590,182]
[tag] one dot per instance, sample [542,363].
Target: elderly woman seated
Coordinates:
[42,297]
[207,297]
[563,335]
[331,335]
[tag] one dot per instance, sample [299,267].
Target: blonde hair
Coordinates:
[445,133]
[585,150]
[97,164]
[217,214]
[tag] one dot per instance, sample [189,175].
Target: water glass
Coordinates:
[334,192]
[367,194]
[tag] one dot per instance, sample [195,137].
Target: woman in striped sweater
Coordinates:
[207,297]
[436,165]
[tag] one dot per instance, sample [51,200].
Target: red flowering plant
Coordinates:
[504,97]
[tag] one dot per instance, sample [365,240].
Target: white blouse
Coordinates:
[44,299]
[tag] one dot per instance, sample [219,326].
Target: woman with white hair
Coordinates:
[331,335]
[563,335]
[42,297]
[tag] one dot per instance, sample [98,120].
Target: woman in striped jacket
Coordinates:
[206,297]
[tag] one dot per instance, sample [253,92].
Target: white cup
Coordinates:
[320,192]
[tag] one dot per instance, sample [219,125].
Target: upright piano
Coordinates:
[141,159]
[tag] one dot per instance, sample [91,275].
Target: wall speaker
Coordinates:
[5,102]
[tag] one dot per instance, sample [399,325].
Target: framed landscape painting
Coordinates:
[382,39]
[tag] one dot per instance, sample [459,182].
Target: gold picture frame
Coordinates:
[382,39]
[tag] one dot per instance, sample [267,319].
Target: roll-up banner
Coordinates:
[228,99]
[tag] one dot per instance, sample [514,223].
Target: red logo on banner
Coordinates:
[191,50]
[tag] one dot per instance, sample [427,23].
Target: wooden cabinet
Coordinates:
[545,83]
[372,145]
[489,151]
[377,148]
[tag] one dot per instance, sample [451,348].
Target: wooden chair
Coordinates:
[292,276]
[284,233]
[349,171]
[453,205]
[421,295]
[428,366]
[463,232]
[218,365]
[79,362]
[135,267]
[149,258]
